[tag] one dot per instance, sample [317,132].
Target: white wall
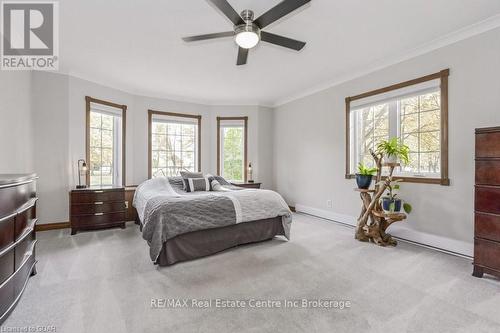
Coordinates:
[16,130]
[309,143]
[59,114]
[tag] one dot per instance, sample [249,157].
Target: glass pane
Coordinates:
[162,159]
[188,130]
[188,160]
[95,180]
[107,121]
[409,105]
[430,120]
[159,128]
[429,141]
[412,166]
[174,129]
[430,101]
[95,137]
[430,162]
[233,153]
[95,159]
[411,140]
[107,156]
[159,141]
[177,144]
[409,123]
[95,119]
[107,139]
[188,143]
[155,157]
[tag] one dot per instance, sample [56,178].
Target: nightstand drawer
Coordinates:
[97,207]
[97,196]
[97,219]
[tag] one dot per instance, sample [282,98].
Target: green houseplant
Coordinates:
[364,176]
[393,150]
[390,202]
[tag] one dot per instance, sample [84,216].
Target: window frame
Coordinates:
[443,77]
[245,145]
[123,108]
[170,114]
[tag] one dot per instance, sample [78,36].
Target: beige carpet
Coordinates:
[104,282]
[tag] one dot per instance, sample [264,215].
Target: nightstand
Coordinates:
[247,185]
[97,207]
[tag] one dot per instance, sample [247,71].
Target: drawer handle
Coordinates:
[98,191]
[98,214]
[98,203]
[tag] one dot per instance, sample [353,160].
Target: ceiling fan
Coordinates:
[248,32]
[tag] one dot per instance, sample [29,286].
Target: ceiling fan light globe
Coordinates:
[247,39]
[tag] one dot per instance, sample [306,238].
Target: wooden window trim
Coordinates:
[245,158]
[89,100]
[171,114]
[443,77]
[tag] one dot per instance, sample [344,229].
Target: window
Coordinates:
[232,147]
[416,112]
[174,143]
[105,142]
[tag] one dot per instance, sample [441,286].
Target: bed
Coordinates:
[180,226]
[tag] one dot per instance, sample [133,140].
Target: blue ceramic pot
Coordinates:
[363,181]
[386,204]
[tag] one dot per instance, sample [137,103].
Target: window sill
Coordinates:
[419,180]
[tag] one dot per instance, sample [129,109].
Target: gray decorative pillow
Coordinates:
[187,174]
[197,184]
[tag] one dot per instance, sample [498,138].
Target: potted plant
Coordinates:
[364,176]
[391,204]
[393,150]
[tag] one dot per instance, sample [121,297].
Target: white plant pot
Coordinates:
[391,159]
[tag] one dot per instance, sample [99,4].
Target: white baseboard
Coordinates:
[400,231]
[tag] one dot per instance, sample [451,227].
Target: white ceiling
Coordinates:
[136,45]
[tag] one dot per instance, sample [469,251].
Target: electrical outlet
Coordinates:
[329,203]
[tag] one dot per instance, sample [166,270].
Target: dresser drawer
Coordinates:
[97,219]
[23,273]
[487,253]
[13,197]
[6,265]
[487,226]
[23,219]
[487,199]
[6,231]
[97,196]
[24,246]
[488,172]
[6,296]
[98,207]
[488,144]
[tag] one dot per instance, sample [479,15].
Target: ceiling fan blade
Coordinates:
[229,11]
[208,36]
[242,56]
[283,8]
[282,41]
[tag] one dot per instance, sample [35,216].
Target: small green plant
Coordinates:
[366,171]
[393,147]
[392,192]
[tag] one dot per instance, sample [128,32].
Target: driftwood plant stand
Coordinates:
[373,221]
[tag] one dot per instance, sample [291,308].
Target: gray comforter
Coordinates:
[166,211]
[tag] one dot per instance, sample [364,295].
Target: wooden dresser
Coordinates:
[97,208]
[487,203]
[17,238]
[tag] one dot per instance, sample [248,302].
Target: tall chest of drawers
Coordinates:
[97,208]
[17,238]
[487,203]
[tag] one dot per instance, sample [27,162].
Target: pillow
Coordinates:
[216,186]
[187,174]
[197,184]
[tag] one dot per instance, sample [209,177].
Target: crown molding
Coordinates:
[472,30]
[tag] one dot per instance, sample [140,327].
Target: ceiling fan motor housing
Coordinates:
[247,15]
